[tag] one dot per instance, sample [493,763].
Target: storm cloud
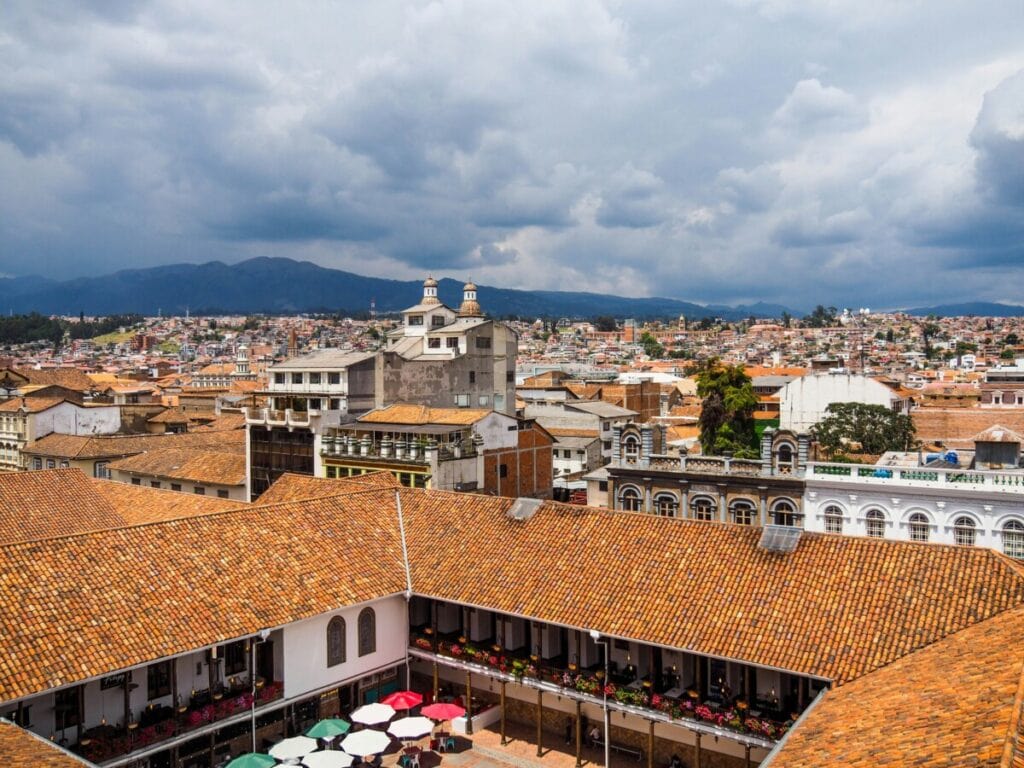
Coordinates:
[740,151]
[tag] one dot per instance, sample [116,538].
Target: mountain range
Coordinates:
[286,286]
[977,308]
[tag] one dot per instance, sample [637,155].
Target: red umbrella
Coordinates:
[402,699]
[442,711]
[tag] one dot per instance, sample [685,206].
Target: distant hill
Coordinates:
[977,308]
[280,286]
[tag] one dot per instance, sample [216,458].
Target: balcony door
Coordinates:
[265,660]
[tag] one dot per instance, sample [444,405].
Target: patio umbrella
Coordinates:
[329,728]
[252,760]
[442,711]
[403,699]
[368,742]
[411,727]
[296,746]
[372,714]
[327,760]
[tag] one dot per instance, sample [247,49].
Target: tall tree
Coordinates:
[727,413]
[875,428]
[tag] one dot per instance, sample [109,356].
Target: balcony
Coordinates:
[268,417]
[157,725]
[413,451]
[917,477]
[737,720]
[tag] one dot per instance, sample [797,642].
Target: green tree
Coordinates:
[821,317]
[727,412]
[890,337]
[1007,354]
[786,319]
[604,323]
[651,346]
[1011,340]
[876,428]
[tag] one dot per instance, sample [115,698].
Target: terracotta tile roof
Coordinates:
[558,432]
[72,378]
[196,466]
[23,749]
[217,369]
[108,600]
[223,422]
[51,502]
[111,446]
[706,587]
[169,416]
[948,704]
[403,413]
[138,505]
[30,404]
[292,487]
[998,434]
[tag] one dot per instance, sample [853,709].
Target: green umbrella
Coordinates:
[252,760]
[329,728]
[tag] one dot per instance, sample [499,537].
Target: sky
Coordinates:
[846,152]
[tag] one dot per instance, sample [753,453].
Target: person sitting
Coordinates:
[594,735]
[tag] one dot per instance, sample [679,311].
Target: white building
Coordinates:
[804,401]
[25,419]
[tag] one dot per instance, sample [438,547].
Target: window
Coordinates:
[631,448]
[784,513]
[703,508]
[1013,539]
[199,490]
[503,470]
[234,658]
[314,377]
[37,463]
[158,679]
[742,512]
[462,401]
[833,519]
[65,708]
[666,505]
[510,377]
[452,342]
[437,321]
[335,404]
[484,400]
[367,631]
[602,485]
[314,403]
[296,378]
[335,641]
[154,483]
[136,481]
[51,464]
[483,342]
[64,463]
[334,377]
[874,523]
[26,716]
[175,486]
[222,494]
[434,343]
[279,378]
[918,525]
[630,499]
[99,469]
[415,319]
[472,377]
[964,532]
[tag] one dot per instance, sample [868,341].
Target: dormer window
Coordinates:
[437,321]
[415,319]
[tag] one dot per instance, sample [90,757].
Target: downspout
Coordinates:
[408,580]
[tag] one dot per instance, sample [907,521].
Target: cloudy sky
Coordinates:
[851,152]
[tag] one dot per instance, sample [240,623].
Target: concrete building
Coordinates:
[803,402]
[24,420]
[592,418]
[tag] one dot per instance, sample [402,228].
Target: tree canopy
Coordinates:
[876,428]
[727,413]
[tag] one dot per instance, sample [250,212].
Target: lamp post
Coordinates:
[264,634]
[596,637]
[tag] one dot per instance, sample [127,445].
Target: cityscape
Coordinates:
[445,385]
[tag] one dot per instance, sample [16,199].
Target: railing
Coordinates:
[279,418]
[636,697]
[999,482]
[107,742]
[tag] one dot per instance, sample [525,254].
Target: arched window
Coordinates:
[703,508]
[964,532]
[833,519]
[918,527]
[367,631]
[785,458]
[784,513]
[630,499]
[742,512]
[1013,539]
[666,505]
[631,448]
[875,523]
[335,641]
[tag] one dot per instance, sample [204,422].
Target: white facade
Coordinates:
[20,427]
[941,506]
[804,401]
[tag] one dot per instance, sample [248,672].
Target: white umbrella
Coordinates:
[371,714]
[368,742]
[297,746]
[327,760]
[411,727]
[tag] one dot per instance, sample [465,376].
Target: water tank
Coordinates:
[930,457]
[952,458]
